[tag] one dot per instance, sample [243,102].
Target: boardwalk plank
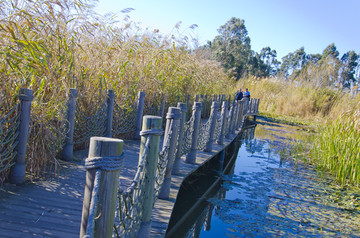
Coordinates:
[53,208]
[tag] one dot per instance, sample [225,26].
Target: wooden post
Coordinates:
[102,182]
[204,106]
[197,98]
[213,117]
[151,128]
[223,115]
[139,113]
[17,171]
[246,106]
[191,156]
[231,117]
[173,117]
[68,149]
[235,118]
[162,107]
[109,113]
[241,114]
[177,162]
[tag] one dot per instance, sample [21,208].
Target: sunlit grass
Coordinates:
[334,114]
[336,149]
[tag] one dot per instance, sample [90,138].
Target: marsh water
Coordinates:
[267,195]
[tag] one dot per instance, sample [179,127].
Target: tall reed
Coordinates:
[336,148]
[51,46]
[301,100]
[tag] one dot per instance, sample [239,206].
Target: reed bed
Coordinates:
[51,46]
[335,148]
[305,101]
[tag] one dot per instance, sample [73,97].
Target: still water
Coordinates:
[266,195]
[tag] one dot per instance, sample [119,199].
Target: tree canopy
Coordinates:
[232,49]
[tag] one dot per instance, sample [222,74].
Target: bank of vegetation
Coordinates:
[335,147]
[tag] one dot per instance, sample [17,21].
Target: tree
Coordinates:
[268,56]
[329,66]
[293,63]
[257,67]
[330,51]
[350,62]
[232,46]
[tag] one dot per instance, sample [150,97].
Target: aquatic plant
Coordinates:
[336,148]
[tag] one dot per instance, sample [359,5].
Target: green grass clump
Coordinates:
[336,149]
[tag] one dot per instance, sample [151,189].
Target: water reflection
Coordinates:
[263,196]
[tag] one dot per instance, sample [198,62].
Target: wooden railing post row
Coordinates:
[17,171]
[191,156]
[109,113]
[257,105]
[231,118]
[68,149]
[213,118]
[102,182]
[151,127]
[223,116]
[172,126]
[177,162]
[139,113]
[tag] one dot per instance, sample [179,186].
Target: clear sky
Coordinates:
[284,25]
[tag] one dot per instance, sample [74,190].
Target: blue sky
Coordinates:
[284,25]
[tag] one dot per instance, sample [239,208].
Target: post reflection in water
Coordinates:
[263,194]
[204,219]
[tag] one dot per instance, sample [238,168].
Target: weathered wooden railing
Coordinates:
[182,137]
[134,219]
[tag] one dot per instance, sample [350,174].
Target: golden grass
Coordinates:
[335,148]
[301,101]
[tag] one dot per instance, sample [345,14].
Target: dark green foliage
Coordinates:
[232,46]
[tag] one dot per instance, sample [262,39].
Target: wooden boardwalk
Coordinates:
[53,208]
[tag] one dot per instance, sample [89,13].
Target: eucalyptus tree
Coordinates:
[293,63]
[232,46]
[350,61]
[268,56]
[329,66]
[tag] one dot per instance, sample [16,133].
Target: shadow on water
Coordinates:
[261,195]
